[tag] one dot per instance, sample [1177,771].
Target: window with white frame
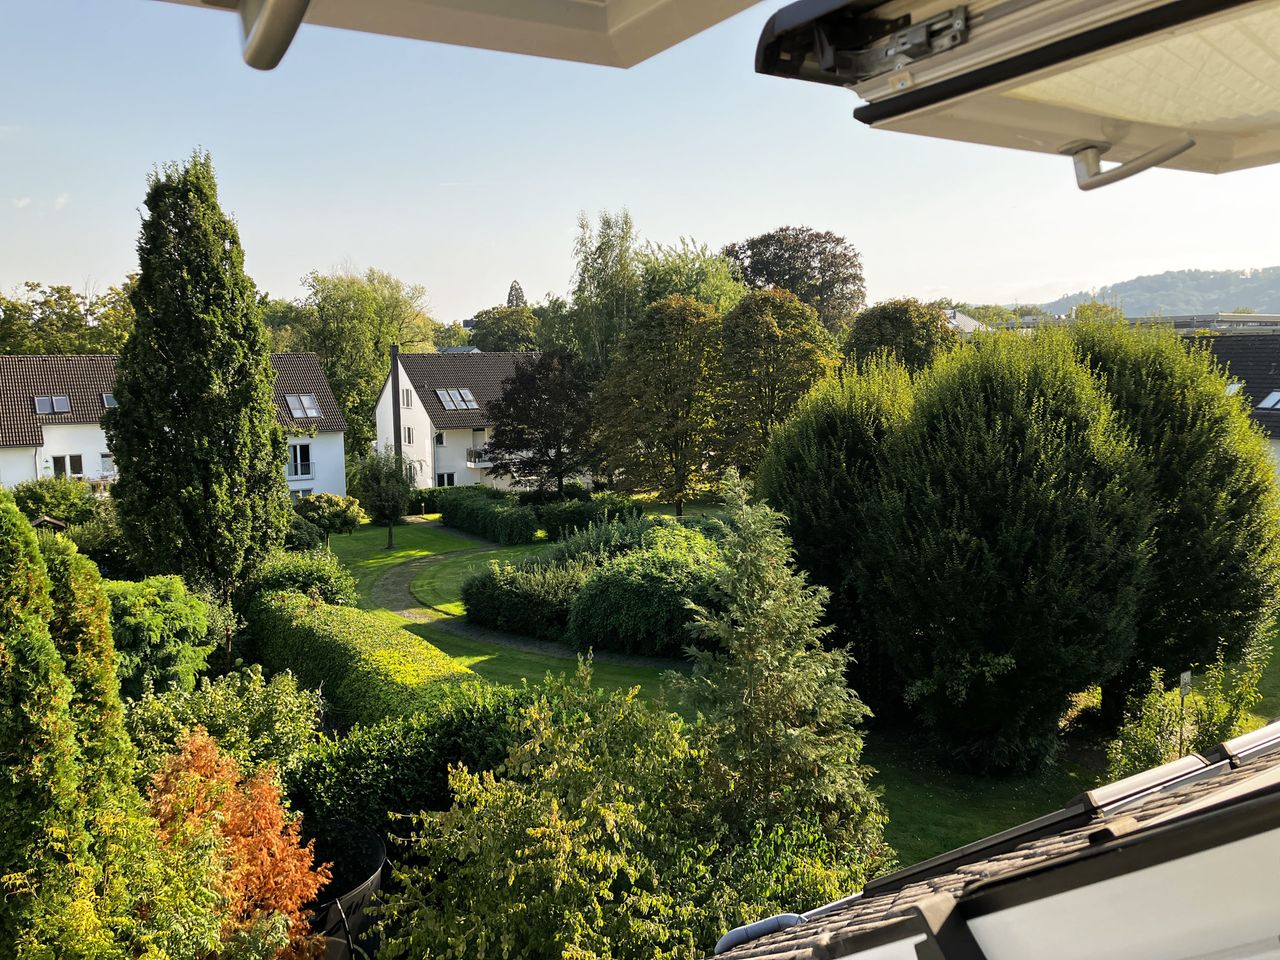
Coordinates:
[439,438]
[52,404]
[1270,401]
[408,436]
[444,479]
[406,397]
[302,405]
[300,465]
[109,401]
[107,465]
[68,465]
[457,399]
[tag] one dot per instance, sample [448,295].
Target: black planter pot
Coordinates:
[341,914]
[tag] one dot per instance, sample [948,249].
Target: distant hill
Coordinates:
[1185,291]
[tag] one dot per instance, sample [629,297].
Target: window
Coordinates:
[461,399]
[1234,387]
[406,397]
[61,405]
[70,465]
[408,435]
[297,495]
[1270,401]
[439,438]
[107,465]
[444,479]
[299,461]
[302,405]
[52,404]
[109,401]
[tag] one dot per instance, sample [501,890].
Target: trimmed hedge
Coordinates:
[316,573]
[488,513]
[563,518]
[637,602]
[532,599]
[541,498]
[366,668]
[401,765]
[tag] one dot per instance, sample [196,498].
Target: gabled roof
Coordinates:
[84,379]
[1254,360]
[299,373]
[481,373]
[1153,817]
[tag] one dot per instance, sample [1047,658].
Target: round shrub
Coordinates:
[911,331]
[638,602]
[1005,562]
[401,765]
[160,630]
[316,573]
[62,498]
[331,513]
[303,535]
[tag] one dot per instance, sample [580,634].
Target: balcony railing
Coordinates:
[478,457]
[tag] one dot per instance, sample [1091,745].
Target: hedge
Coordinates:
[573,491]
[401,764]
[561,519]
[488,513]
[366,668]
[532,599]
[316,573]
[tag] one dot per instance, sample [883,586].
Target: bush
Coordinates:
[488,513]
[531,599]
[401,765]
[62,498]
[318,573]
[638,602]
[256,721]
[560,519]
[161,633]
[331,513]
[1006,559]
[427,499]
[573,491]
[601,540]
[366,667]
[822,470]
[303,535]
[912,331]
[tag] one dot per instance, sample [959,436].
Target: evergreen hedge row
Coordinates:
[367,668]
[488,513]
[564,517]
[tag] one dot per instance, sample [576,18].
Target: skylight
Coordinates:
[302,405]
[44,404]
[1270,401]
[109,400]
[459,399]
[55,404]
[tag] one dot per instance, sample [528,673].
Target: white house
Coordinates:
[50,407]
[444,424]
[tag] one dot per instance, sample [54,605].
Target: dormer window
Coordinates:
[302,405]
[54,404]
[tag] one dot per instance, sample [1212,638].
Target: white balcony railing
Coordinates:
[478,457]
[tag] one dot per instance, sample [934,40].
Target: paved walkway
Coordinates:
[393,591]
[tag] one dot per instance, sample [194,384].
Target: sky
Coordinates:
[464,169]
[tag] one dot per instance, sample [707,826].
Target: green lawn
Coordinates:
[439,584]
[696,509]
[365,552]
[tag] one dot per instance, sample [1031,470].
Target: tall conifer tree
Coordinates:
[199,451]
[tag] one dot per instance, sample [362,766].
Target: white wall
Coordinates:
[417,454]
[328,465]
[452,458]
[16,465]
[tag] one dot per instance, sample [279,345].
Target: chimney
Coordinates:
[395,404]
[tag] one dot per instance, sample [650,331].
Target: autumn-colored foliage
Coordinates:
[268,870]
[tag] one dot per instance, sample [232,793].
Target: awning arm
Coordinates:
[269,28]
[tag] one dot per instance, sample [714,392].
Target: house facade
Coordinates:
[444,423]
[51,409]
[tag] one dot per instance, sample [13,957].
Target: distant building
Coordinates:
[51,405]
[964,324]
[1253,363]
[443,403]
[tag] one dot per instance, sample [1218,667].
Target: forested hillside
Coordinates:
[1185,291]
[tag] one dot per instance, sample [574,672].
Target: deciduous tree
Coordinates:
[386,486]
[195,437]
[505,329]
[542,423]
[821,268]
[912,331]
[774,350]
[657,417]
[690,269]
[607,293]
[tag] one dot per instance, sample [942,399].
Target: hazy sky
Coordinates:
[462,169]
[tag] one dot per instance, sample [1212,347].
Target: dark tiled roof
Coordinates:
[1170,794]
[481,373]
[1254,360]
[85,379]
[301,373]
[82,379]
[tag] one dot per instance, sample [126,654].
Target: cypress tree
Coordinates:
[199,451]
[39,776]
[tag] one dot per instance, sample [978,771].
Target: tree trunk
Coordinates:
[390,527]
[679,507]
[560,486]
